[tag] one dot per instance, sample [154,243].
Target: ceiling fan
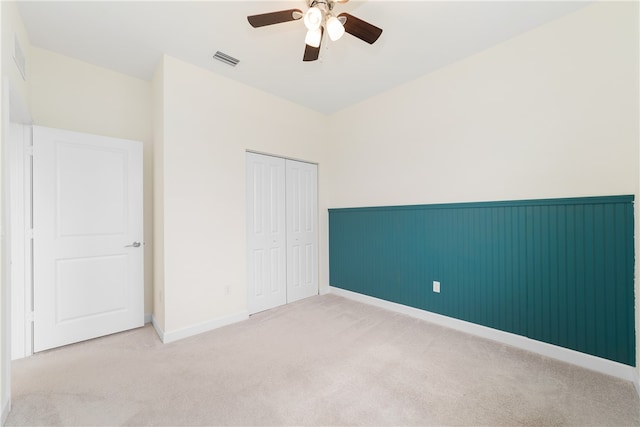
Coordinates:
[318,18]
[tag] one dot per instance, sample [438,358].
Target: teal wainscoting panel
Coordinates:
[555,270]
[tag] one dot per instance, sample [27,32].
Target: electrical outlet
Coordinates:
[436,286]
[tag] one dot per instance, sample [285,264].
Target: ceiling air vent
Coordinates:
[229,60]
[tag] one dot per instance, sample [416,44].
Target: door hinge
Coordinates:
[30,316]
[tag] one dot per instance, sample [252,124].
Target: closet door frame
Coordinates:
[278,190]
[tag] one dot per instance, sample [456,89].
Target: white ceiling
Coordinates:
[418,37]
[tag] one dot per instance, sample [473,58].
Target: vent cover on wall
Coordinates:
[229,60]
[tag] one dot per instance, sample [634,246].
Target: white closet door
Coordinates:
[88,253]
[266,232]
[302,230]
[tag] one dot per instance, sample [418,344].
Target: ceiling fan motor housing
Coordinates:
[326,5]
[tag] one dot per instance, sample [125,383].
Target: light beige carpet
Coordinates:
[321,361]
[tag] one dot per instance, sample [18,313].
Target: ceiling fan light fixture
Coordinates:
[318,19]
[335,28]
[313,37]
[313,18]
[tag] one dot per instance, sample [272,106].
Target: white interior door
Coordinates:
[266,232]
[302,230]
[88,253]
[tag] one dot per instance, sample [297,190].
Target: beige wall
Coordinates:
[5,338]
[209,123]
[157,96]
[70,94]
[552,113]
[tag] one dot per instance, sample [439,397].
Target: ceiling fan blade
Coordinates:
[312,53]
[361,29]
[274,17]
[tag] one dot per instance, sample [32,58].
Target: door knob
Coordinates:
[133,245]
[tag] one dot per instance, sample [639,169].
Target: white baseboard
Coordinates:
[6,408]
[199,328]
[157,328]
[583,360]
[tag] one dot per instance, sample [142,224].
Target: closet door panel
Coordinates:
[302,229]
[266,231]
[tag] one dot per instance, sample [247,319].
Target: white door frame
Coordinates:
[17,164]
[19,199]
[15,110]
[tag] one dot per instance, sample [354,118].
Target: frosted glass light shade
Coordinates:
[334,28]
[313,37]
[313,18]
